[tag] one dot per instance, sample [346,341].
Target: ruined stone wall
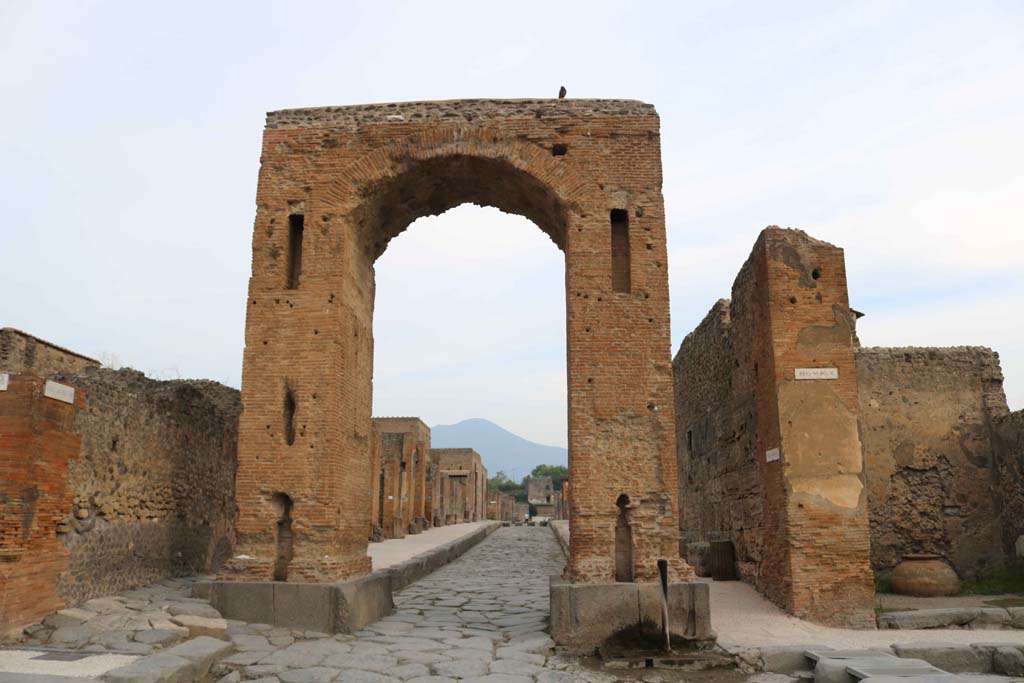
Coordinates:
[411,437]
[153,487]
[540,490]
[767,442]
[376,531]
[1009,453]
[928,428]
[465,464]
[720,486]
[392,493]
[21,352]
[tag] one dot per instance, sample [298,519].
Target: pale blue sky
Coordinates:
[130,137]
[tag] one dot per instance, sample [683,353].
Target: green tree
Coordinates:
[558,474]
[499,480]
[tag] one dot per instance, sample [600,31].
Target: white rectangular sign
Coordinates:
[3,381]
[772,455]
[60,392]
[817,373]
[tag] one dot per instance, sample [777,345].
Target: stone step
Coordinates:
[894,666]
[6,677]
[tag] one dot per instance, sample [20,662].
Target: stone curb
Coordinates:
[183,663]
[561,532]
[975,618]
[952,658]
[415,568]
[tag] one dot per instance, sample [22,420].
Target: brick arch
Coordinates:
[588,173]
[479,167]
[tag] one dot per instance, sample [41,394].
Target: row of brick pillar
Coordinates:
[415,487]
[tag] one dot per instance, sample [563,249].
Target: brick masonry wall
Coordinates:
[359,176]
[36,444]
[808,547]
[928,425]
[153,484]
[470,482]
[410,437]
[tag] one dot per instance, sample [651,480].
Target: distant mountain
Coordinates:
[499,448]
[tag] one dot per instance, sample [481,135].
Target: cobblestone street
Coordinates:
[481,618]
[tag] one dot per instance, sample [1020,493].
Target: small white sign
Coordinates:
[3,381]
[772,454]
[391,497]
[817,373]
[59,392]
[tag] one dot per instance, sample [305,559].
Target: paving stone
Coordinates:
[359,676]
[521,655]
[71,636]
[158,668]
[158,636]
[378,663]
[245,658]
[417,657]
[261,670]
[498,678]
[515,666]
[314,674]
[1008,661]
[556,677]
[233,677]
[950,657]
[407,671]
[461,668]
[195,609]
[245,642]
[202,626]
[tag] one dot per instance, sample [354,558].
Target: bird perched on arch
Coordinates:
[561,93]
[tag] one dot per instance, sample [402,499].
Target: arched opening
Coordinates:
[282,504]
[469,322]
[478,196]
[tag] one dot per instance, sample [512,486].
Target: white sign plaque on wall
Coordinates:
[60,392]
[772,455]
[3,381]
[817,373]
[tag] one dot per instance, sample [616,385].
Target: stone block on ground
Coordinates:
[990,618]
[1008,661]
[787,659]
[203,651]
[158,668]
[929,618]
[951,657]
[202,626]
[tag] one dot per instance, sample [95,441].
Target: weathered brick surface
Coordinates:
[361,175]
[800,521]
[929,419]
[403,444]
[463,484]
[21,352]
[36,444]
